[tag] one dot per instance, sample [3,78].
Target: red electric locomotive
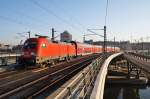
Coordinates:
[42,51]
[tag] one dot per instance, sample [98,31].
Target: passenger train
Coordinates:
[41,51]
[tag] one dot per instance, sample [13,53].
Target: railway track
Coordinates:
[10,73]
[19,72]
[7,73]
[32,85]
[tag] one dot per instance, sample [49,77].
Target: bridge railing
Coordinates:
[139,56]
[82,84]
[98,90]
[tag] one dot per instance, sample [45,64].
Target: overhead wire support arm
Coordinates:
[104,36]
[90,30]
[21,34]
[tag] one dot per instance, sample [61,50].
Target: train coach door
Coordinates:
[76,47]
[68,51]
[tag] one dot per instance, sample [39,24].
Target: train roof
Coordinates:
[43,38]
[78,43]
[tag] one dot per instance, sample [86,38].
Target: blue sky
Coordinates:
[126,18]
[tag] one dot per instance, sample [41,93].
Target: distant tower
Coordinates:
[65,36]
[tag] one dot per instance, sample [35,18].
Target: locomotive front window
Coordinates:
[30,45]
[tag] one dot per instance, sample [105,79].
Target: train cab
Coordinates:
[29,51]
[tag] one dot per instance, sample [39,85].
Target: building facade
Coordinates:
[65,37]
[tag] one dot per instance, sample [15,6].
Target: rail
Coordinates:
[98,89]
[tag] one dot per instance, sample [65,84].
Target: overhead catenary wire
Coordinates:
[30,17]
[105,33]
[12,20]
[40,23]
[106,13]
[70,16]
[54,14]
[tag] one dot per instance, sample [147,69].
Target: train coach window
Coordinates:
[43,45]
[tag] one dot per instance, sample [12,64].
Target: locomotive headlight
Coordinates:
[32,53]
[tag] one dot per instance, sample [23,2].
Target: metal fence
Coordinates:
[8,58]
[81,87]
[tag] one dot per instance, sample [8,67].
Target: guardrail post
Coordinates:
[69,91]
[90,70]
[84,82]
[138,73]
[0,61]
[91,75]
[128,65]
[93,68]
[143,58]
